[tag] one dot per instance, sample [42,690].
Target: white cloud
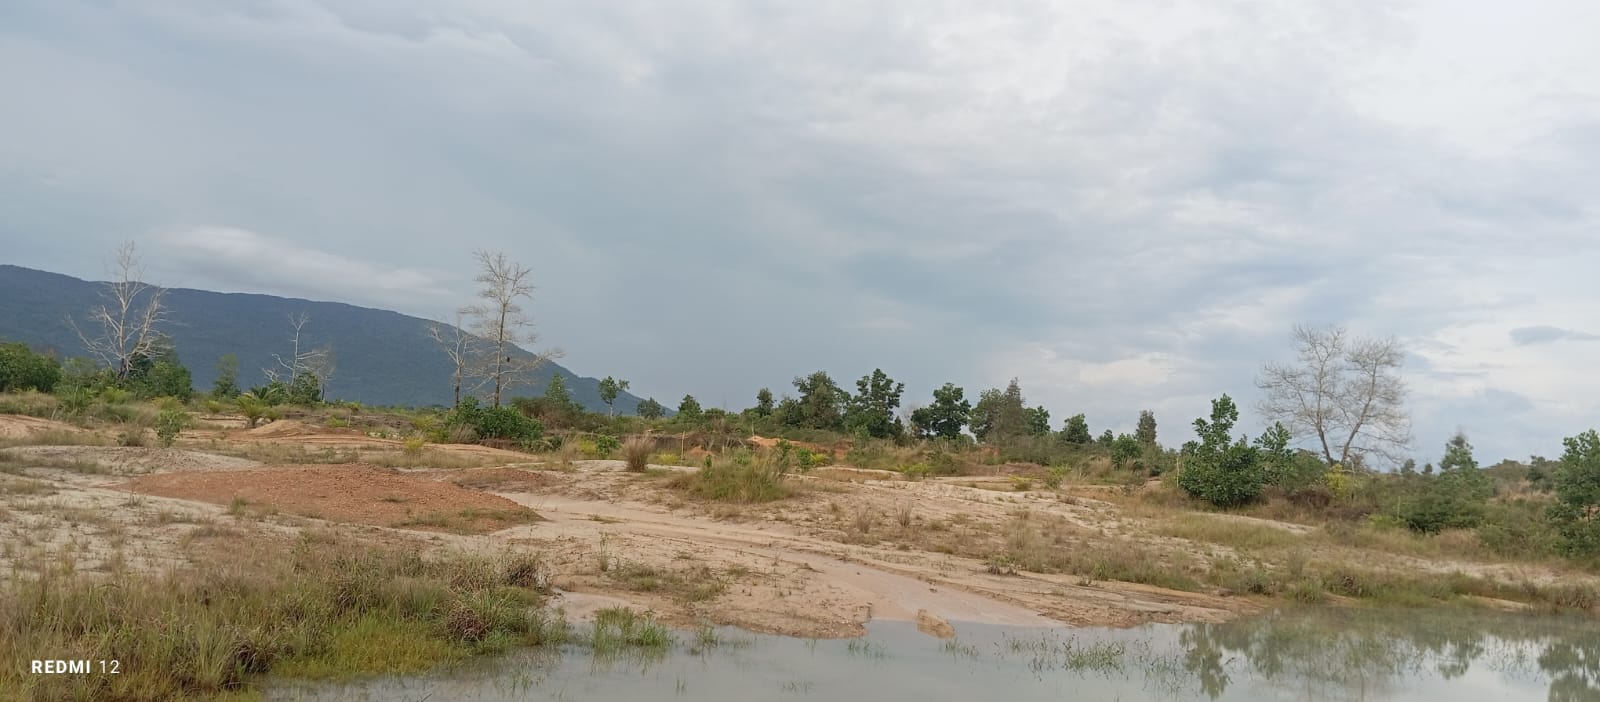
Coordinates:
[237,260]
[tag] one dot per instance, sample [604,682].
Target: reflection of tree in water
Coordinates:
[1355,654]
[1574,668]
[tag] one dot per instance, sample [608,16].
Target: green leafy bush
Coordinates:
[1224,473]
[1578,495]
[168,424]
[22,369]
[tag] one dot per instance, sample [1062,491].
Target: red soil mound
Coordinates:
[358,493]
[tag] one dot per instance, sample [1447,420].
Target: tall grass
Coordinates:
[319,609]
[636,452]
[741,477]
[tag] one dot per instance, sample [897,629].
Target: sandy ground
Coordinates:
[852,546]
[14,426]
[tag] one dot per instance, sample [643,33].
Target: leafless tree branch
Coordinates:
[1344,393]
[123,328]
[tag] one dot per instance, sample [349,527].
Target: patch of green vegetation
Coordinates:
[618,629]
[741,477]
[324,608]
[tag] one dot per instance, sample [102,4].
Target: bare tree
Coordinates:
[503,325]
[1345,393]
[459,345]
[123,328]
[315,362]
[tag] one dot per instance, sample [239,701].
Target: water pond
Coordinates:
[1314,654]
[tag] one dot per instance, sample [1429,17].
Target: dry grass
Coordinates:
[316,608]
[470,521]
[1234,533]
[636,452]
[687,585]
[424,458]
[57,437]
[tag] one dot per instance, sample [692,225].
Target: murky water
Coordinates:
[1292,655]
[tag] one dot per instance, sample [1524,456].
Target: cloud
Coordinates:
[1124,204]
[244,261]
[1527,336]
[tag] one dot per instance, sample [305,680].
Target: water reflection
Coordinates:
[1360,655]
[1316,654]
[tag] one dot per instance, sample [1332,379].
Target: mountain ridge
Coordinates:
[381,357]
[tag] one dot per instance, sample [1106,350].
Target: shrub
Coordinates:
[22,369]
[492,423]
[606,444]
[636,451]
[413,446]
[739,478]
[168,424]
[1222,473]
[75,400]
[1578,495]
[252,407]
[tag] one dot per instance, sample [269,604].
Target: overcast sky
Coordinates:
[1125,204]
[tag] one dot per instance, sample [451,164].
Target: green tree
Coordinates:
[555,393]
[168,424]
[305,390]
[22,369]
[1000,415]
[1219,470]
[1146,433]
[822,402]
[159,373]
[609,389]
[689,409]
[1076,430]
[226,385]
[945,418]
[763,403]
[1576,513]
[650,409]
[1456,497]
[1037,421]
[1124,450]
[1107,438]
[871,410]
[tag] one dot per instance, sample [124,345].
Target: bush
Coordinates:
[1227,478]
[252,407]
[468,422]
[1222,473]
[636,451]
[606,444]
[740,478]
[507,423]
[168,424]
[1578,494]
[22,369]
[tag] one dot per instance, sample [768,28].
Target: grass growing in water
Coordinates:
[617,629]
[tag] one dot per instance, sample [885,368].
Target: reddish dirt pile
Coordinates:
[289,428]
[358,493]
[837,452]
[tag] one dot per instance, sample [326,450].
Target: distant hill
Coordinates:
[381,357]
